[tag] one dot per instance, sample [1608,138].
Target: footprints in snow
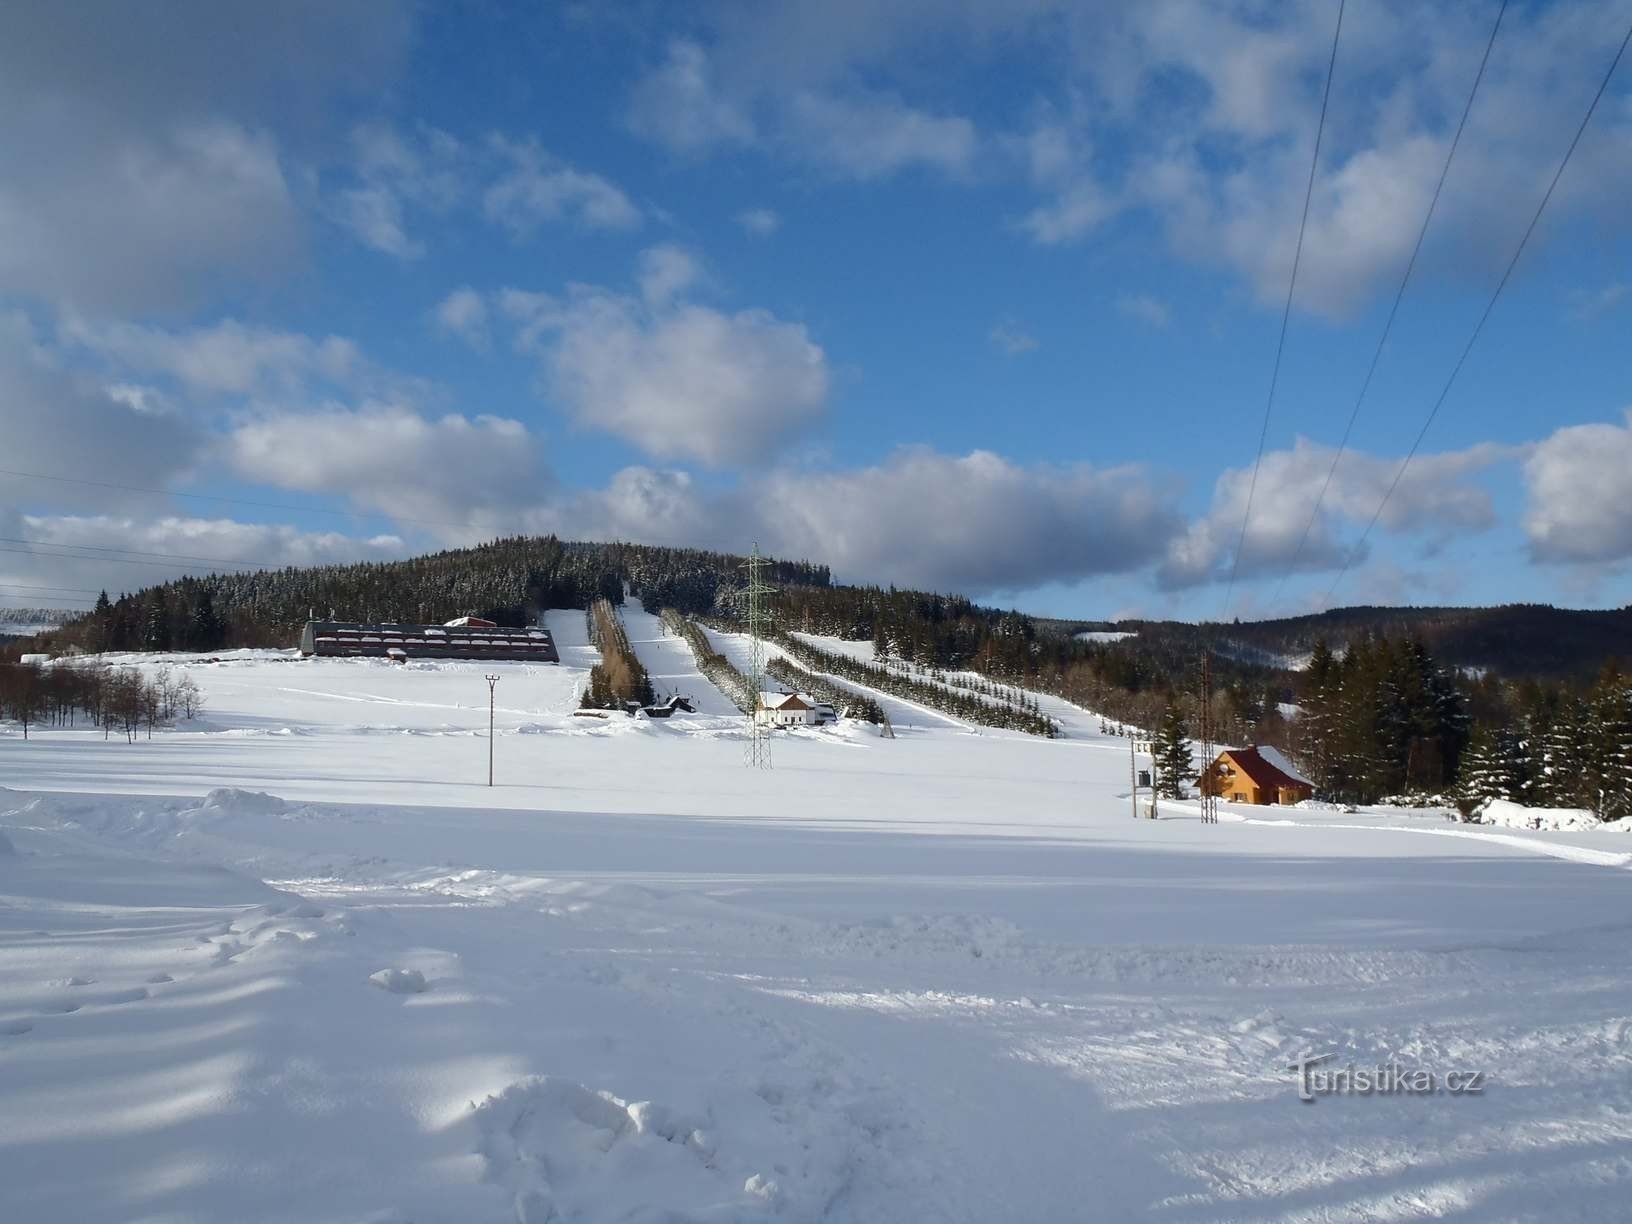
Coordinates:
[564,1151]
[222,943]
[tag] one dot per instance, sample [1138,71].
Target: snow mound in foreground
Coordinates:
[5,846]
[399,981]
[229,800]
[569,1153]
[1511,815]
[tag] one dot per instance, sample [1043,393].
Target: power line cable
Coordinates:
[169,565]
[1479,327]
[1286,313]
[133,552]
[238,501]
[64,589]
[1399,295]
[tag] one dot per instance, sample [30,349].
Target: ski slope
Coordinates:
[904,715]
[294,961]
[671,665]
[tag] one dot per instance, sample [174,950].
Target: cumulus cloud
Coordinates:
[1436,497]
[396,178]
[74,549]
[537,187]
[150,220]
[394,172]
[976,522]
[871,136]
[463,313]
[152,176]
[1577,507]
[678,379]
[59,423]
[973,523]
[442,471]
[226,358]
[685,106]
[679,104]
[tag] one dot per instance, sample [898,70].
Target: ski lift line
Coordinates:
[1399,295]
[1479,327]
[1286,313]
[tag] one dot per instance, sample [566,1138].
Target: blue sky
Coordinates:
[971,296]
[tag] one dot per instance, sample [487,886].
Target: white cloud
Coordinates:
[873,136]
[226,358]
[1010,339]
[452,469]
[1576,483]
[58,423]
[759,222]
[666,272]
[974,523]
[537,187]
[679,104]
[154,174]
[677,379]
[1435,498]
[393,172]
[463,313]
[153,219]
[239,545]
[1145,307]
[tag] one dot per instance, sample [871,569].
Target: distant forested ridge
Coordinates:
[1368,701]
[507,580]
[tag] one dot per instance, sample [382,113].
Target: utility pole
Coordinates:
[491,681]
[1155,778]
[1209,796]
[758,753]
[1133,775]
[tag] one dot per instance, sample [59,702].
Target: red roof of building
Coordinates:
[1264,775]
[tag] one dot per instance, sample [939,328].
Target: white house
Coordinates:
[786,710]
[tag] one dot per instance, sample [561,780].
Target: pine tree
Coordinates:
[1171,754]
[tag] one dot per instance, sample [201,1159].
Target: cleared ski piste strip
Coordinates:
[903,714]
[294,962]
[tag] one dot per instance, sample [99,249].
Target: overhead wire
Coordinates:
[1394,310]
[1286,312]
[1484,317]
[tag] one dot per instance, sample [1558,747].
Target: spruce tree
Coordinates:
[1171,754]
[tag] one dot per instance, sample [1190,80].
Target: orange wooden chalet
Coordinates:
[1249,775]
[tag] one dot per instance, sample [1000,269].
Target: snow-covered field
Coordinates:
[295,961]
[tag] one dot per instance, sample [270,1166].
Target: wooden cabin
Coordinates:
[1250,775]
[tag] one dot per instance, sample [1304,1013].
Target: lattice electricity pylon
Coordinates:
[758,753]
[1209,790]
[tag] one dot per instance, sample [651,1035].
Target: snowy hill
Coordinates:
[294,960]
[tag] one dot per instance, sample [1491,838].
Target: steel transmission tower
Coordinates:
[1209,796]
[758,752]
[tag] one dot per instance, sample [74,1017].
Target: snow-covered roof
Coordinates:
[782,701]
[1278,759]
